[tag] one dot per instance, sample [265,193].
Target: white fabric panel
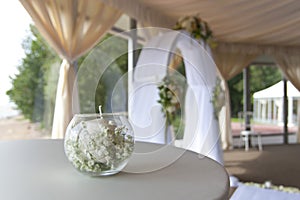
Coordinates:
[153,61]
[145,112]
[201,132]
[201,127]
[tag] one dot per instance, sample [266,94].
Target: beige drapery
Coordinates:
[229,63]
[289,63]
[71,27]
[253,22]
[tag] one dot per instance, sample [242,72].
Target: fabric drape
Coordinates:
[290,65]
[201,129]
[71,27]
[146,114]
[65,91]
[273,22]
[229,63]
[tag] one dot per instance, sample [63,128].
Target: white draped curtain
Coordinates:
[230,62]
[289,63]
[201,132]
[72,28]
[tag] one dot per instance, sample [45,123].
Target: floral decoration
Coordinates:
[168,99]
[199,30]
[274,187]
[98,150]
[197,27]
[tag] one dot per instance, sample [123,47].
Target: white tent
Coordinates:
[268,104]
[276,91]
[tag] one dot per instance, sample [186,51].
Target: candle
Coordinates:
[102,121]
[99,145]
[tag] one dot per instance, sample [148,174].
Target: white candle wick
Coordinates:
[100,111]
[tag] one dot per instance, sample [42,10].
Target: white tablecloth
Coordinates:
[39,170]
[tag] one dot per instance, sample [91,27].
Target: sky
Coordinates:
[14,21]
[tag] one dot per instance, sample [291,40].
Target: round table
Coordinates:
[39,169]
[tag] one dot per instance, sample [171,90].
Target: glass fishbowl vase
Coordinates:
[99,145]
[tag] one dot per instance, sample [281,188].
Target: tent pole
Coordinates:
[134,37]
[132,55]
[247,99]
[285,112]
[247,117]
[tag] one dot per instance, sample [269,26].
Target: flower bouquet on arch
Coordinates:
[197,27]
[171,92]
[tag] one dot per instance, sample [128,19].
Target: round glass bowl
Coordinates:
[99,145]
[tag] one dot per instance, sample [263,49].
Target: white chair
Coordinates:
[248,132]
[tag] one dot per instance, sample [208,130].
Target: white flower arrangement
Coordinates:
[98,145]
[274,187]
[197,27]
[168,99]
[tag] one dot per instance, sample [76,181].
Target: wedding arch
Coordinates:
[201,132]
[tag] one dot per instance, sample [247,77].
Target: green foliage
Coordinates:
[172,92]
[263,77]
[51,77]
[28,86]
[34,87]
[168,99]
[260,78]
[236,94]
[111,75]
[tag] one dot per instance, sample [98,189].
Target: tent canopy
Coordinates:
[276,91]
[267,22]
[243,29]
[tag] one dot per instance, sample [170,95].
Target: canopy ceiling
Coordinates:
[265,22]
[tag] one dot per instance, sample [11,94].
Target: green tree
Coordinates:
[107,82]
[28,85]
[34,87]
[261,77]
[236,94]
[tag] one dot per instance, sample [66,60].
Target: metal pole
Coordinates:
[285,113]
[134,37]
[247,98]
[247,117]
[132,57]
